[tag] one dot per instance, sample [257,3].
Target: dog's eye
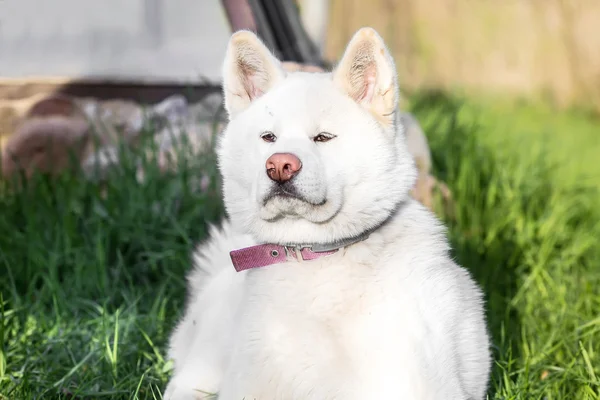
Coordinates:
[268,137]
[323,137]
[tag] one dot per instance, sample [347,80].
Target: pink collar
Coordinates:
[269,254]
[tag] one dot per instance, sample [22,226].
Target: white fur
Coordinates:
[390,317]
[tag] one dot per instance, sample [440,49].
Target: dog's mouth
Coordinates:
[288,191]
[285,191]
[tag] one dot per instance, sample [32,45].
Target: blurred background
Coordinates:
[543,53]
[529,48]
[535,49]
[505,94]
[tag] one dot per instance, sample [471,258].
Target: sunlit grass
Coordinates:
[531,239]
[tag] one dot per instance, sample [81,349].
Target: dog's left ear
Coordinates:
[249,71]
[368,75]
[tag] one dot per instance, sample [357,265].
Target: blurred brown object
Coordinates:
[52,106]
[13,110]
[57,131]
[52,132]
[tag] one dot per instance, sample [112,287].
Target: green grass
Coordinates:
[91,285]
[569,141]
[529,232]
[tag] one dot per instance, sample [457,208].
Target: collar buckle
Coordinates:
[295,251]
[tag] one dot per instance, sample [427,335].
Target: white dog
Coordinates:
[346,289]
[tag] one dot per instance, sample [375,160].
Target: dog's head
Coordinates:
[312,157]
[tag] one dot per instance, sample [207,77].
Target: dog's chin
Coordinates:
[293,206]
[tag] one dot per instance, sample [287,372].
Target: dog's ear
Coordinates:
[368,75]
[249,71]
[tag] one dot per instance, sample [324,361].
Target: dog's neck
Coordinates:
[268,254]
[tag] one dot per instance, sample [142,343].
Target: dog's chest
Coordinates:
[312,322]
[325,290]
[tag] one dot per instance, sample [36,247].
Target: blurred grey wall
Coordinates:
[177,41]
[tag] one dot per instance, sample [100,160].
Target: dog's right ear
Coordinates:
[249,71]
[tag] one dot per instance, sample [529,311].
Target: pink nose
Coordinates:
[281,167]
